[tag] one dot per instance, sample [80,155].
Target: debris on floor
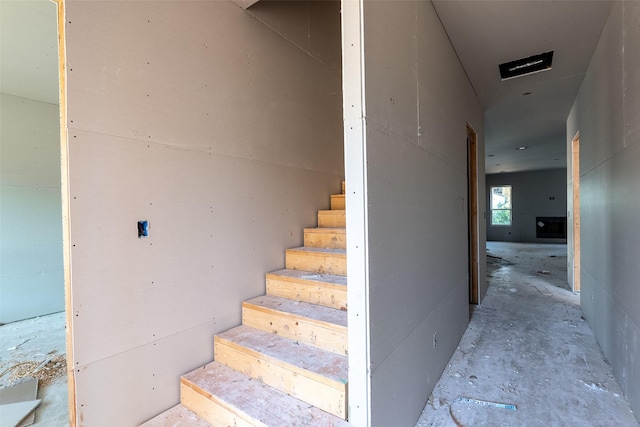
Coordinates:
[12,414]
[527,345]
[34,350]
[46,371]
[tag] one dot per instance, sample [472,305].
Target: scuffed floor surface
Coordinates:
[527,345]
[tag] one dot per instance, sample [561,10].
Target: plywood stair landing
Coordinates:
[287,364]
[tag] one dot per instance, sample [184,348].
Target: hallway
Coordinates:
[527,345]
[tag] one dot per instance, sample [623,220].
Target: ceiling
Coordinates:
[486,33]
[29,49]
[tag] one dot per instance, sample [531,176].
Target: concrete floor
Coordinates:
[35,340]
[527,345]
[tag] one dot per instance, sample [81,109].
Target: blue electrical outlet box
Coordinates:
[143,229]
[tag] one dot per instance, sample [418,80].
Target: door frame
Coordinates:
[472,203]
[575,220]
[66,234]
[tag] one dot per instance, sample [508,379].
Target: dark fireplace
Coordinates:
[551,227]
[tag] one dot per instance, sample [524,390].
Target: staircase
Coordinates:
[287,364]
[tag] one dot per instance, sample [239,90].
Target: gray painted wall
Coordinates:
[31,266]
[607,115]
[532,194]
[412,202]
[222,128]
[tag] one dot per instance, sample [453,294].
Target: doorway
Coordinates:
[472,200]
[32,308]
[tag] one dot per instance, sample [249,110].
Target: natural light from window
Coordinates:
[501,205]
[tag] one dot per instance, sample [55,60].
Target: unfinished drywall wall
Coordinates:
[221,133]
[607,115]
[535,194]
[31,267]
[410,207]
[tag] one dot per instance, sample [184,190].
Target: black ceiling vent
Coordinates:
[524,66]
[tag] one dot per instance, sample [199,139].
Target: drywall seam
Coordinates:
[297,46]
[445,160]
[203,151]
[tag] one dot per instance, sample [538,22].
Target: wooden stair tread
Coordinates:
[177,416]
[337,230]
[320,362]
[311,277]
[252,400]
[319,260]
[320,251]
[299,309]
[324,289]
[325,237]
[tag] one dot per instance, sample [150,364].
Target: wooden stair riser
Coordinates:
[332,218]
[320,334]
[337,202]
[324,294]
[334,238]
[314,389]
[211,409]
[317,262]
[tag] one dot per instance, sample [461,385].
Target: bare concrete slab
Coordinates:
[527,345]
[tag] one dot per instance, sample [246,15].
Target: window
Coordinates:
[501,205]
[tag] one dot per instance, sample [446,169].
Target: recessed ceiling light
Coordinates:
[526,94]
[522,148]
[490,155]
[525,66]
[497,164]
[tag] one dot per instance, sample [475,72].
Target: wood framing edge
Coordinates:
[575,220]
[65,190]
[472,147]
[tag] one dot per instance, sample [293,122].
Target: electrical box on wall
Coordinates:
[143,229]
